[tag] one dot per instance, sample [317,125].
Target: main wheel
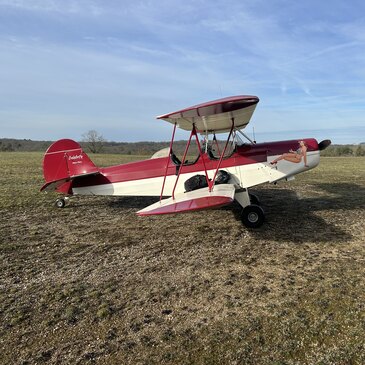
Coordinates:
[252,216]
[60,203]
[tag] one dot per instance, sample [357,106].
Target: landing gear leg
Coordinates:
[243,197]
[252,215]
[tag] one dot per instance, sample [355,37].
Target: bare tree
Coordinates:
[94,140]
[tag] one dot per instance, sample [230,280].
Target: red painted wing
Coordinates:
[192,201]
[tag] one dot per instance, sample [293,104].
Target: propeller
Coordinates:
[324,144]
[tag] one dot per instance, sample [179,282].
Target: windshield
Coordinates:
[178,149]
[215,147]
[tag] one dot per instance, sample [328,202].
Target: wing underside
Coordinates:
[193,200]
[215,116]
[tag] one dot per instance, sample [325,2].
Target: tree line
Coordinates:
[344,150]
[146,148]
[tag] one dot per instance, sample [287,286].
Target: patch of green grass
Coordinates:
[104,310]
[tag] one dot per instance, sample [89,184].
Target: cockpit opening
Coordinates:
[214,147]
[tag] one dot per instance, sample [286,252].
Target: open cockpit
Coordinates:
[210,145]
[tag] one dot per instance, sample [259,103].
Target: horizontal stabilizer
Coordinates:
[53,185]
[192,200]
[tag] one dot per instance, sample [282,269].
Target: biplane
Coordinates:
[221,173]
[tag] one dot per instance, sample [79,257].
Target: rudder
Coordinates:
[63,161]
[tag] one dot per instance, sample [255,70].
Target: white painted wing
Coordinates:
[215,116]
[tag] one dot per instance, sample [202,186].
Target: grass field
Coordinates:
[94,283]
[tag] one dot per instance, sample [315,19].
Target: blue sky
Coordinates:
[71,66]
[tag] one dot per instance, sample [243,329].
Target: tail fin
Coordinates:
[63,161]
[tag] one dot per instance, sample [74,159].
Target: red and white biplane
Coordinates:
[220,174]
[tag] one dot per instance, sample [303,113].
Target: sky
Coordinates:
[67,67]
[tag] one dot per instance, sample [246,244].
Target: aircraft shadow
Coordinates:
[133,202]
[291,218]
[288,217]
[344,196]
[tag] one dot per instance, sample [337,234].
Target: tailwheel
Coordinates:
[60,203]
[253,216]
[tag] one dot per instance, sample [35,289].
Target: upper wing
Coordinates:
[215,116]
[192,200]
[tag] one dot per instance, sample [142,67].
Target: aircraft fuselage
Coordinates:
[249,165]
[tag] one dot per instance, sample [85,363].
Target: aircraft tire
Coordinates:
[252,216]
[60,203]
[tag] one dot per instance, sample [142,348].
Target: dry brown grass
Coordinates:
[94,283]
